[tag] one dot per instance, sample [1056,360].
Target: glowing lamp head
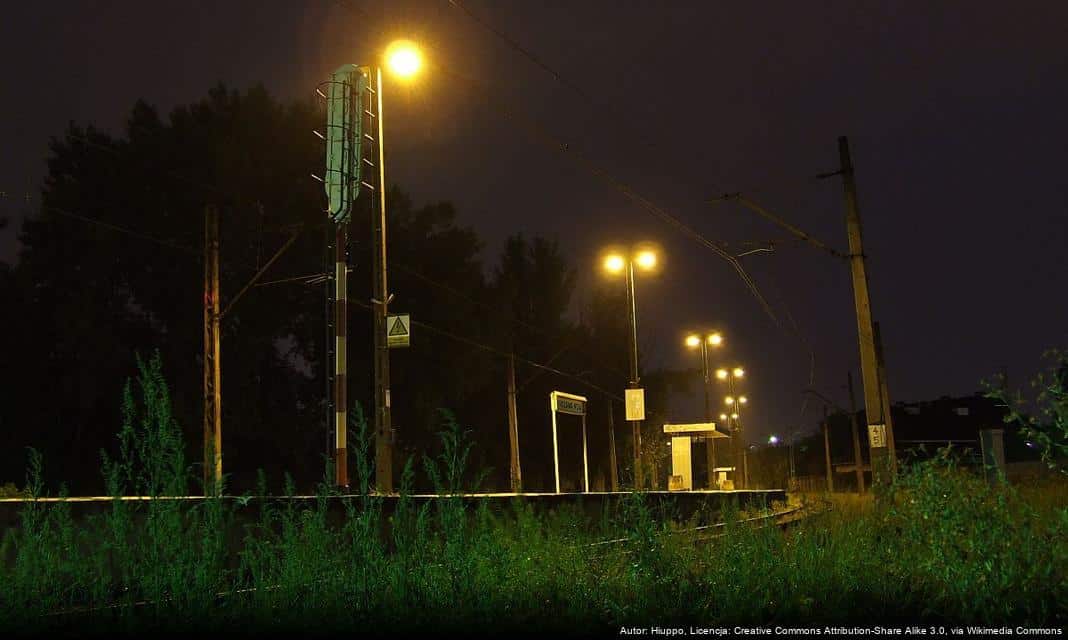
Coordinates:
[773,440]
[715,339]
[645,259]
[738,372]
[721,374]
[734,415]
[693,341]
[743,400]
[403,58]
[614,263]
[729,400]
[722,416]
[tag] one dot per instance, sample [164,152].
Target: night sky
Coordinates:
[956,112]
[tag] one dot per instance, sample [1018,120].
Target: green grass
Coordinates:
[943,546]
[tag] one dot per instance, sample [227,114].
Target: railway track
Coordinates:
[781,518]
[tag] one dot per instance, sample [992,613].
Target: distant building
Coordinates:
[920,430]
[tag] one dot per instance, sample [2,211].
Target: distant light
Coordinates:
[722,416]
[739,372]
[734,415]
[1030,444]
[743,399]
[729,400]
[721,374]
[614,263]
[693,341]
[773,440]
[403,58]
[646,259]
[715,339]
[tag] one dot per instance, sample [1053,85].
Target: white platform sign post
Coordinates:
[560,402]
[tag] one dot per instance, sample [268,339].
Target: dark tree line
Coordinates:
[111,266]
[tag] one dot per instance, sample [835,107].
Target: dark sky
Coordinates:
[955,111]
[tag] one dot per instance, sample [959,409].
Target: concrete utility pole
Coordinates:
[383,421]
[878,430]
[613,472]
[884,395]
[858,461]
[212,355]
[513,428]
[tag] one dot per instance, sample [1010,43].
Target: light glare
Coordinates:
[738,372]
[403,58]
[715,339]
[693,341]
[646,259]
[614,263]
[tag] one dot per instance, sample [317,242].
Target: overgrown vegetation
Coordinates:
[947,547]
[1047,430]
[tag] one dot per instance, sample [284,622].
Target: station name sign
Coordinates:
[569,404]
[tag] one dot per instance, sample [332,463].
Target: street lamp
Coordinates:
[735,403]
[404,58]
[614,263]
[704,341]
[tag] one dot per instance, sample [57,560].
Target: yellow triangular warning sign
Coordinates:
[398,328]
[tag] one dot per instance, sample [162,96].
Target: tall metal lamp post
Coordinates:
[616,262]
[693,341]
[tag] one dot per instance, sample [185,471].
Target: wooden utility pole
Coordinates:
[878,429]
[212,365]
[513,428]
[827,450]
[613,473]
[858,461]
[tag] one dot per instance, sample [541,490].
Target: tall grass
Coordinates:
[945,547]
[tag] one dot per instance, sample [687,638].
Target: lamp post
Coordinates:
[734,405]
[616,262]
[693,341]
[345,162]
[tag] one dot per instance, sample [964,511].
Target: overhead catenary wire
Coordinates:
[564,149]
[494,350]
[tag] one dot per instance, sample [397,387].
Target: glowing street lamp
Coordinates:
[404,58]
[614,263]
[773,440]
[729,375]
[704,341]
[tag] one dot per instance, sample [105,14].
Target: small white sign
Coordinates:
[398,330]
[635,401]
[877,435]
